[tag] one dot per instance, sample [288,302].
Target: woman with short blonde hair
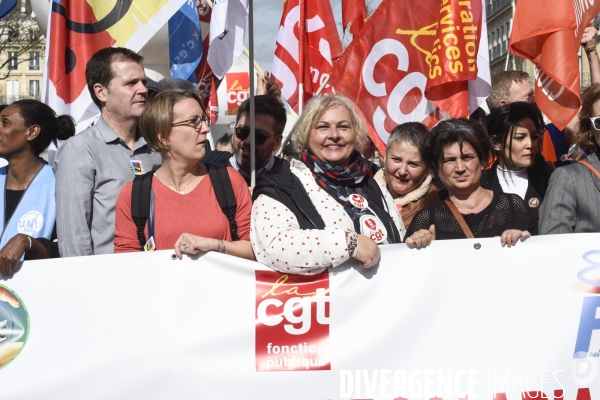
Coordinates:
[301,131]
[324,208]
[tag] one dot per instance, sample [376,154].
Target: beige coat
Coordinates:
[422,197]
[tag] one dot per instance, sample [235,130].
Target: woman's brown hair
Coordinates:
[585,136]
[157,116]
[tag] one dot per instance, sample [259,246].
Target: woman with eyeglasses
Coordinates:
[324,208]
[184,210]
[572,202]
[515,130]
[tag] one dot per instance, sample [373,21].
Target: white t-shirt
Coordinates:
[513,181]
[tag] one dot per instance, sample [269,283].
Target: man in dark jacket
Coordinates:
[270,120]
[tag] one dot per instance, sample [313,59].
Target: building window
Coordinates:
[12,90]
[34,89]
[34,61]
[12,61]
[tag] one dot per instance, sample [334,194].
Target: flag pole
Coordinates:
[302,36]
[509,33]
[251,79]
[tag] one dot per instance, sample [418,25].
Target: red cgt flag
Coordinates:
[354,12]
[387,68]
[453,61]
[205,79]
[322,46]
[213,102]
[552,43]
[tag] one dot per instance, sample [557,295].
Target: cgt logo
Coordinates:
[292,322]
[238,91]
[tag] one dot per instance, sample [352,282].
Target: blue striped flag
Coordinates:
[185,42]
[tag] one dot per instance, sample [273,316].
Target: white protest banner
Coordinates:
[459,318]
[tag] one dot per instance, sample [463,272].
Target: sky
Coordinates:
[267,16]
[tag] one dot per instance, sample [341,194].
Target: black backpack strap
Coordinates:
[140,203]
[224,191]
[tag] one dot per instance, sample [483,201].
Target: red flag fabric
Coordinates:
[204,74]
[552,43]
[78,29]
[322,46]
[355,12]
[387,68]
[453,61]
[71,49]
[213,102]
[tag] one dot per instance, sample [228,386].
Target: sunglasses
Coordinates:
[242,133]
[595,122]
[195,122]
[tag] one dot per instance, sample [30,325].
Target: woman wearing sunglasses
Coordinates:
[324,208]
[185,211]
[572,202]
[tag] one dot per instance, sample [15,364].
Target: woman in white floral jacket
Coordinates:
[325,208]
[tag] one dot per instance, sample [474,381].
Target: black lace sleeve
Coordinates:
[522,219]
[422,220]
[505,211]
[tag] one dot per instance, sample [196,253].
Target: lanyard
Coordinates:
[151,216]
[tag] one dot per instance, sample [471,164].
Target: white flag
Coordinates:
[227,27]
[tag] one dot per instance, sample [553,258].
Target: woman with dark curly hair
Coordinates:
[572,202]
[457,151]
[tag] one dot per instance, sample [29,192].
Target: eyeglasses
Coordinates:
[595,122]
[195,122]
[242,132]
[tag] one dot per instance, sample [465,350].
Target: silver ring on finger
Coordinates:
[184,245]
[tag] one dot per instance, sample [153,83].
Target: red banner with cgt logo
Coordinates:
[292,322]
[453,60]
[425,67]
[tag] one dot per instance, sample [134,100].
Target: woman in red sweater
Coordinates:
[187,215]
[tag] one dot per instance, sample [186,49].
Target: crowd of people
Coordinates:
[143,178]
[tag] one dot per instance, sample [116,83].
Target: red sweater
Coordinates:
[197,213]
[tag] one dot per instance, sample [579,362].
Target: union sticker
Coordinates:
[372,227]
[534,202]
[358,201]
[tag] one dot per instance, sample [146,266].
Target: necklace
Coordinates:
[182,190]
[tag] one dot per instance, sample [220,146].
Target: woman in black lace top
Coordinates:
[457,151]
